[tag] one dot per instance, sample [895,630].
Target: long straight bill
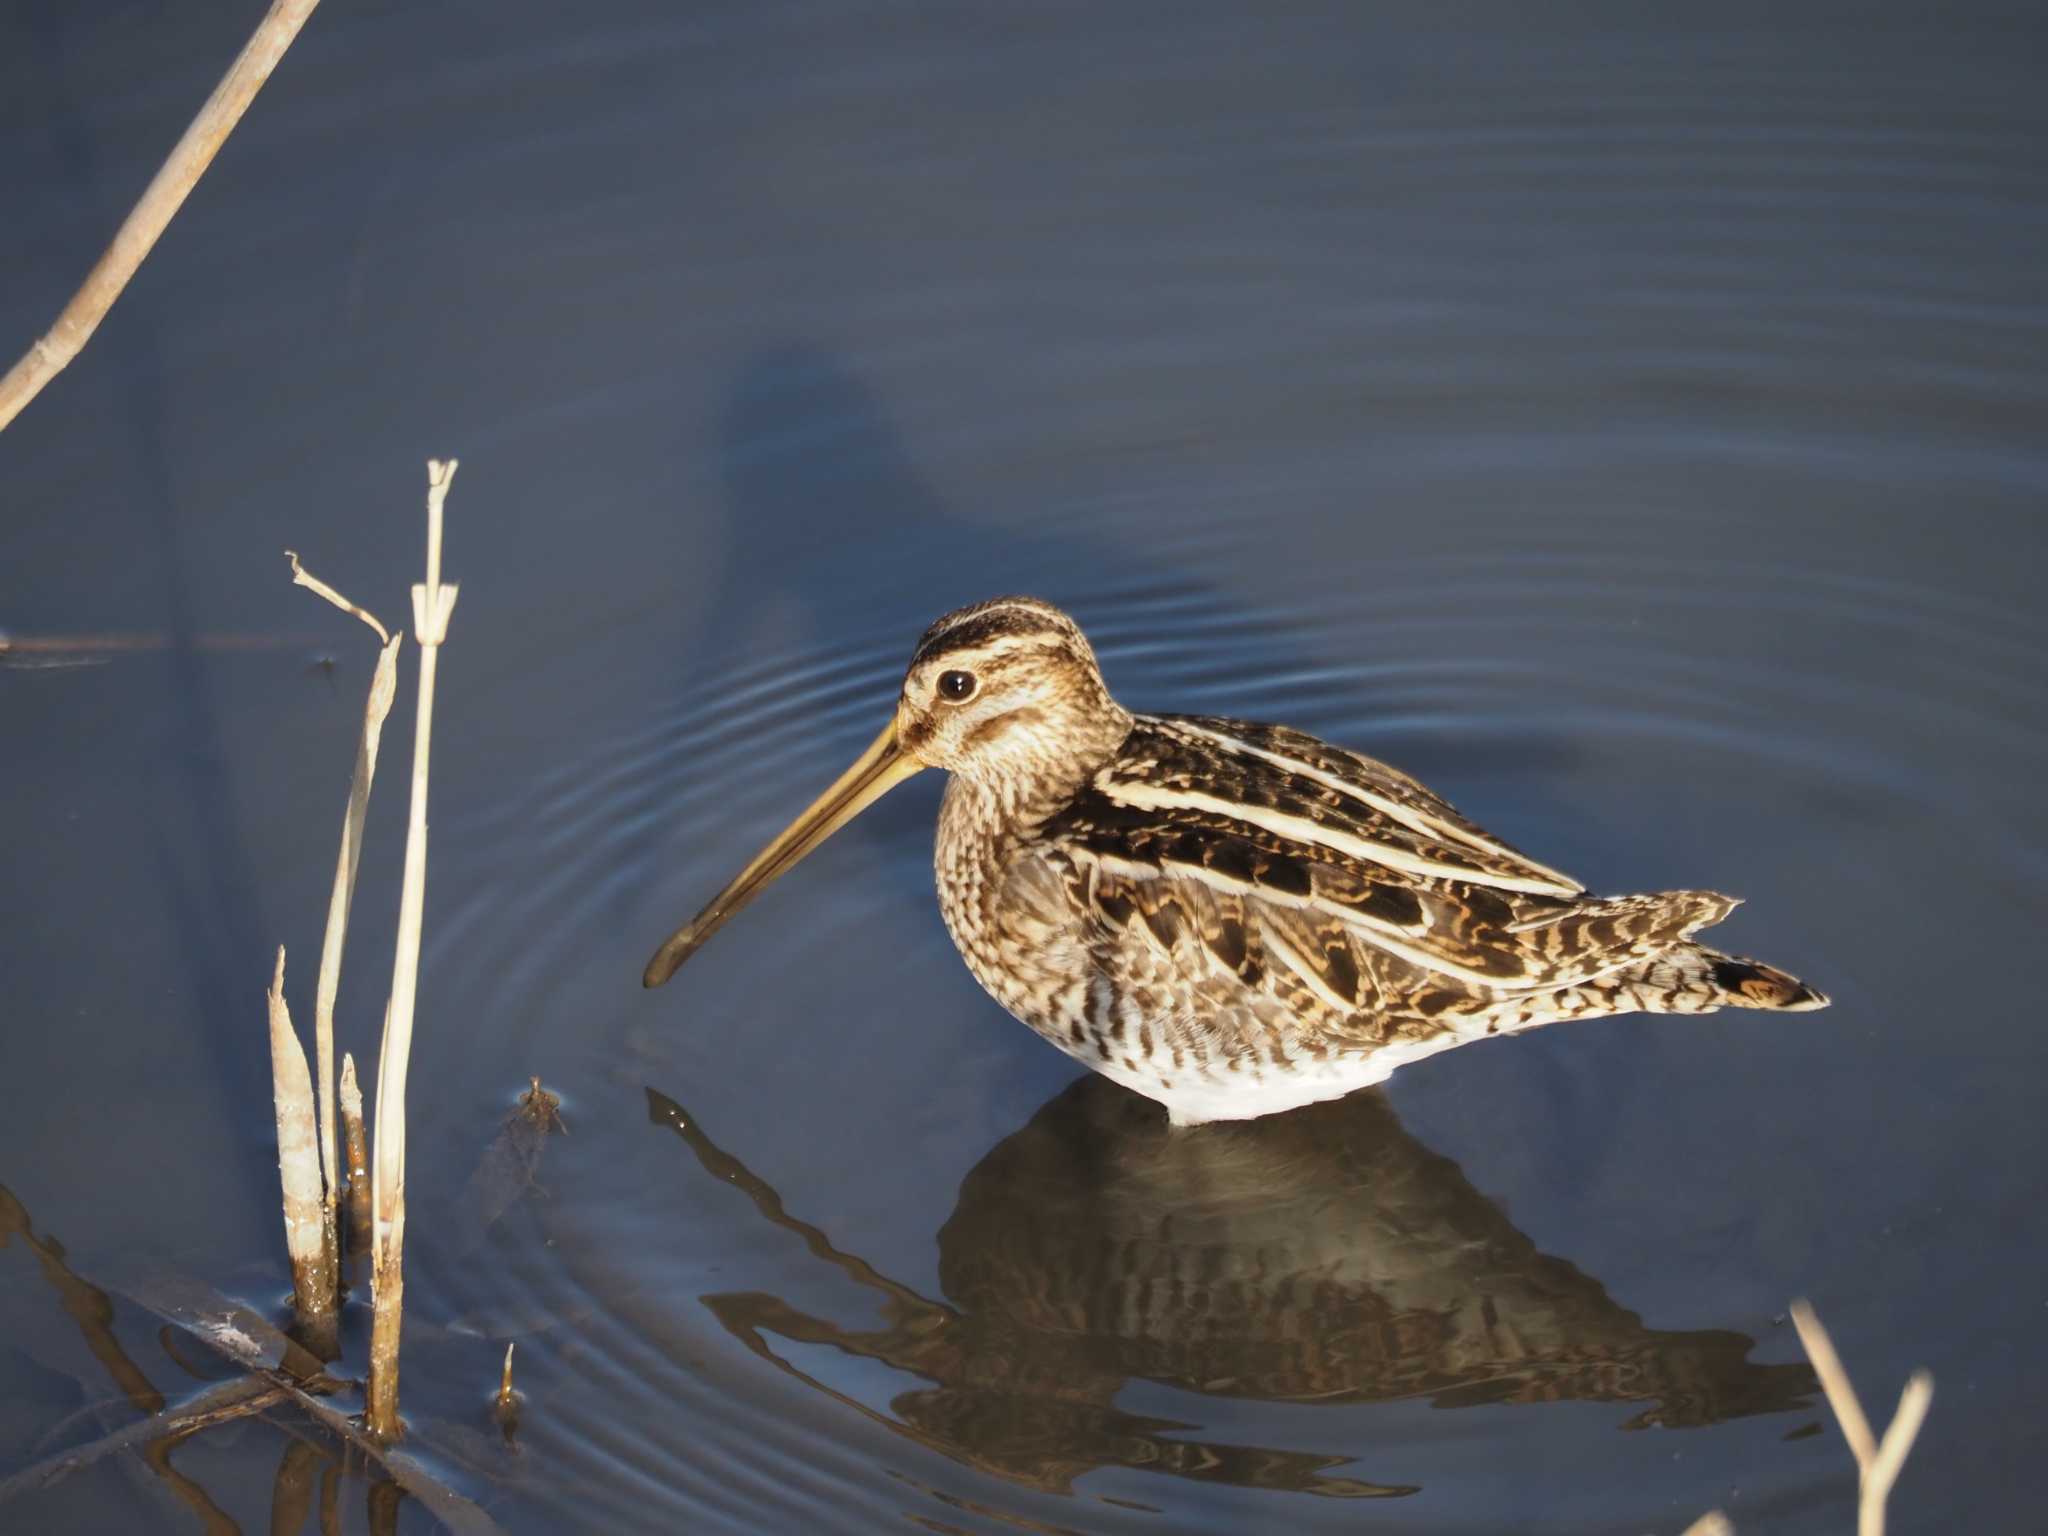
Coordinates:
[874,773]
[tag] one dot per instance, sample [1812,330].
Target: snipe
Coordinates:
[1233,919]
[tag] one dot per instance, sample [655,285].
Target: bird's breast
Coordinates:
[1011,912]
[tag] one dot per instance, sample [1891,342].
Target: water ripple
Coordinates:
[1519,664]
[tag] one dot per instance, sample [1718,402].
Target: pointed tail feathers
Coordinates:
[1692,978]
[1745,983]
[1687,978]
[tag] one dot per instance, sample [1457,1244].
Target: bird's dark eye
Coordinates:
[956,687]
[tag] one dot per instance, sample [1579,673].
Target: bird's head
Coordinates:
[1005,694]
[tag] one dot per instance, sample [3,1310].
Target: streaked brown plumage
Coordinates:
[1233,919]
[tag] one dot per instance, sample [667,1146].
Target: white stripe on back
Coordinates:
[1551,883]
[1316,834]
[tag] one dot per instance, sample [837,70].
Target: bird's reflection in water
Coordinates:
[1322,1256]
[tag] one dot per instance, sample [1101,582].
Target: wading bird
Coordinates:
[1232,919]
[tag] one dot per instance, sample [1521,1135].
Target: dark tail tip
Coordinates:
[1752,984]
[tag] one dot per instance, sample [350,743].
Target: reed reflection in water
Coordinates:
[1322,1256]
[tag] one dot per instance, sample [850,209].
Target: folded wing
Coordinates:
[1236,856]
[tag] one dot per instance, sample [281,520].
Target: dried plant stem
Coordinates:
[380,1407]
[357,1147]
[298,1162]
[160,201]
[227,1400]
[1878,1477]
[383,689]
[301,577]
[1877,1462]
[1834,1381]
[432,604]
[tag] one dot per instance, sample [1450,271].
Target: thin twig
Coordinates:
[230,1399]
[1834,1381]
[160,201]
[1877,1465]
[304,578]
[1891,1451]
[15,648]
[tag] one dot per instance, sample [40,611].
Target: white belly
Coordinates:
[1194,1096]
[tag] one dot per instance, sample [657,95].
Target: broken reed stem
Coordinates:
[380,1388]
[357,1147]
[383,689]
[234,1399]
[159,203]
[1877,1463]
[1834,1381]
[432,604]
[1899,1435]
[301,577]
[298,1162]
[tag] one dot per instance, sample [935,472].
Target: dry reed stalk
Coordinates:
[432,604]
[227,1400]
[387,1309]
[160,201]
[277,1370]
[1877,1461]
[298,1162]
[358,1149]
[383,689]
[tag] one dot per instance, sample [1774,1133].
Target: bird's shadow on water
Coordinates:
[1323,1256]
[832,533]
